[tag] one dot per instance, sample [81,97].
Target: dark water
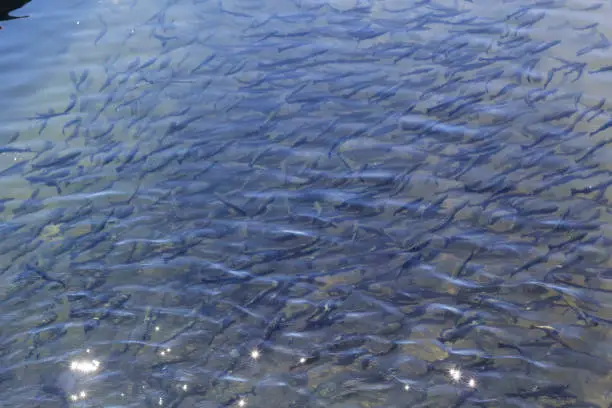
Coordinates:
[308,203]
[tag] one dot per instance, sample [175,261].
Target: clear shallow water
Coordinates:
[306,204]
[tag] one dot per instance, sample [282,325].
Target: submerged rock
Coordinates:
[7,6]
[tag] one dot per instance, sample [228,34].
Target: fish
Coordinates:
[602,44]
[592,150]
[606,68]
[55,160]
[603,127]
[179,126]
[204,62]
[50,179]
[75,124]
[29,269]
[292,61]
[536,49]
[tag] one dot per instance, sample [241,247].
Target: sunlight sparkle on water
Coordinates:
[80,396]
[85,366]
[455,374]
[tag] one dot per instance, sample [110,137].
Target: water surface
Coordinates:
[309,203]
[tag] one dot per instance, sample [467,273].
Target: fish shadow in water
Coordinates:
[8,6]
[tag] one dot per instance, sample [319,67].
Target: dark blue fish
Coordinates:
[163,39]
[53,160]
[16,168]
[104,133]
[103,32]
[602,44]
[78,82]
[147,63]
[9,149]
[204,62]
[178,126]
[132,66]
[29,206]
[52,179]
[549,391]
[30,269]
[607,68]
[75,124]
[602,128]
[292,61]
[89,242]
[3,228]
[544,47]
[109,81]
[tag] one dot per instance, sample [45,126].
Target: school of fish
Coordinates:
[316,204]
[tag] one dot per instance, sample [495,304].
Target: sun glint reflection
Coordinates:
[455,374]
[85,366]
[80,396]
